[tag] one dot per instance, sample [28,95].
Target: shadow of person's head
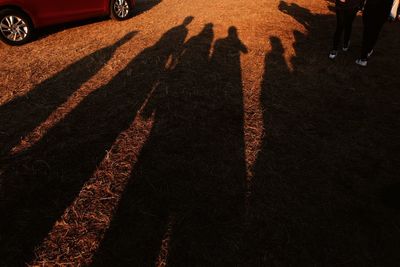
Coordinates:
[301,14]
[125,39]
[208,27]
[187,20]
[232,32]
[276,44]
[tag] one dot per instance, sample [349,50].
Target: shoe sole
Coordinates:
[361,65]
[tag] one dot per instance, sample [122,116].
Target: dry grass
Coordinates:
[153,142]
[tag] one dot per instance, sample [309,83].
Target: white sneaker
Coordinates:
[370,53]
[362,62]
[333,54]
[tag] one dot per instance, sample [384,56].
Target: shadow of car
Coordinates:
[20,18]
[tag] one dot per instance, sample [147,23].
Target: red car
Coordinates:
[19,18]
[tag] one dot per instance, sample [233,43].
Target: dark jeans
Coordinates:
[345,19]
[373,24]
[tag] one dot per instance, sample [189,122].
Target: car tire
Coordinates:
[16,28]
[120,9]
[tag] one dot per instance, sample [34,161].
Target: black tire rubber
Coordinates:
[114,16]
[25,18]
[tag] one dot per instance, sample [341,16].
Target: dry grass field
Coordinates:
[200,133]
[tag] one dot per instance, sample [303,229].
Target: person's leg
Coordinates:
[372,33]
[368,33]
[373,24]
[366,40]
[350,15]
[340,17]
[377,28]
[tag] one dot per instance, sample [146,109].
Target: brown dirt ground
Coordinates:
[154,142]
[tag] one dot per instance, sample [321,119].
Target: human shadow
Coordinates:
[191,173]
[40,184]
[21,115]
[326,155]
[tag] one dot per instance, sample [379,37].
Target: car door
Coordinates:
[83,7]
[54,11]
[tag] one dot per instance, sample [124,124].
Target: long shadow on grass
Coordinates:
[39,185]
[327,153]
[185,202]
[20,116]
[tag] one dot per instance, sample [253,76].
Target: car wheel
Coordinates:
[121,9]
[16,28]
